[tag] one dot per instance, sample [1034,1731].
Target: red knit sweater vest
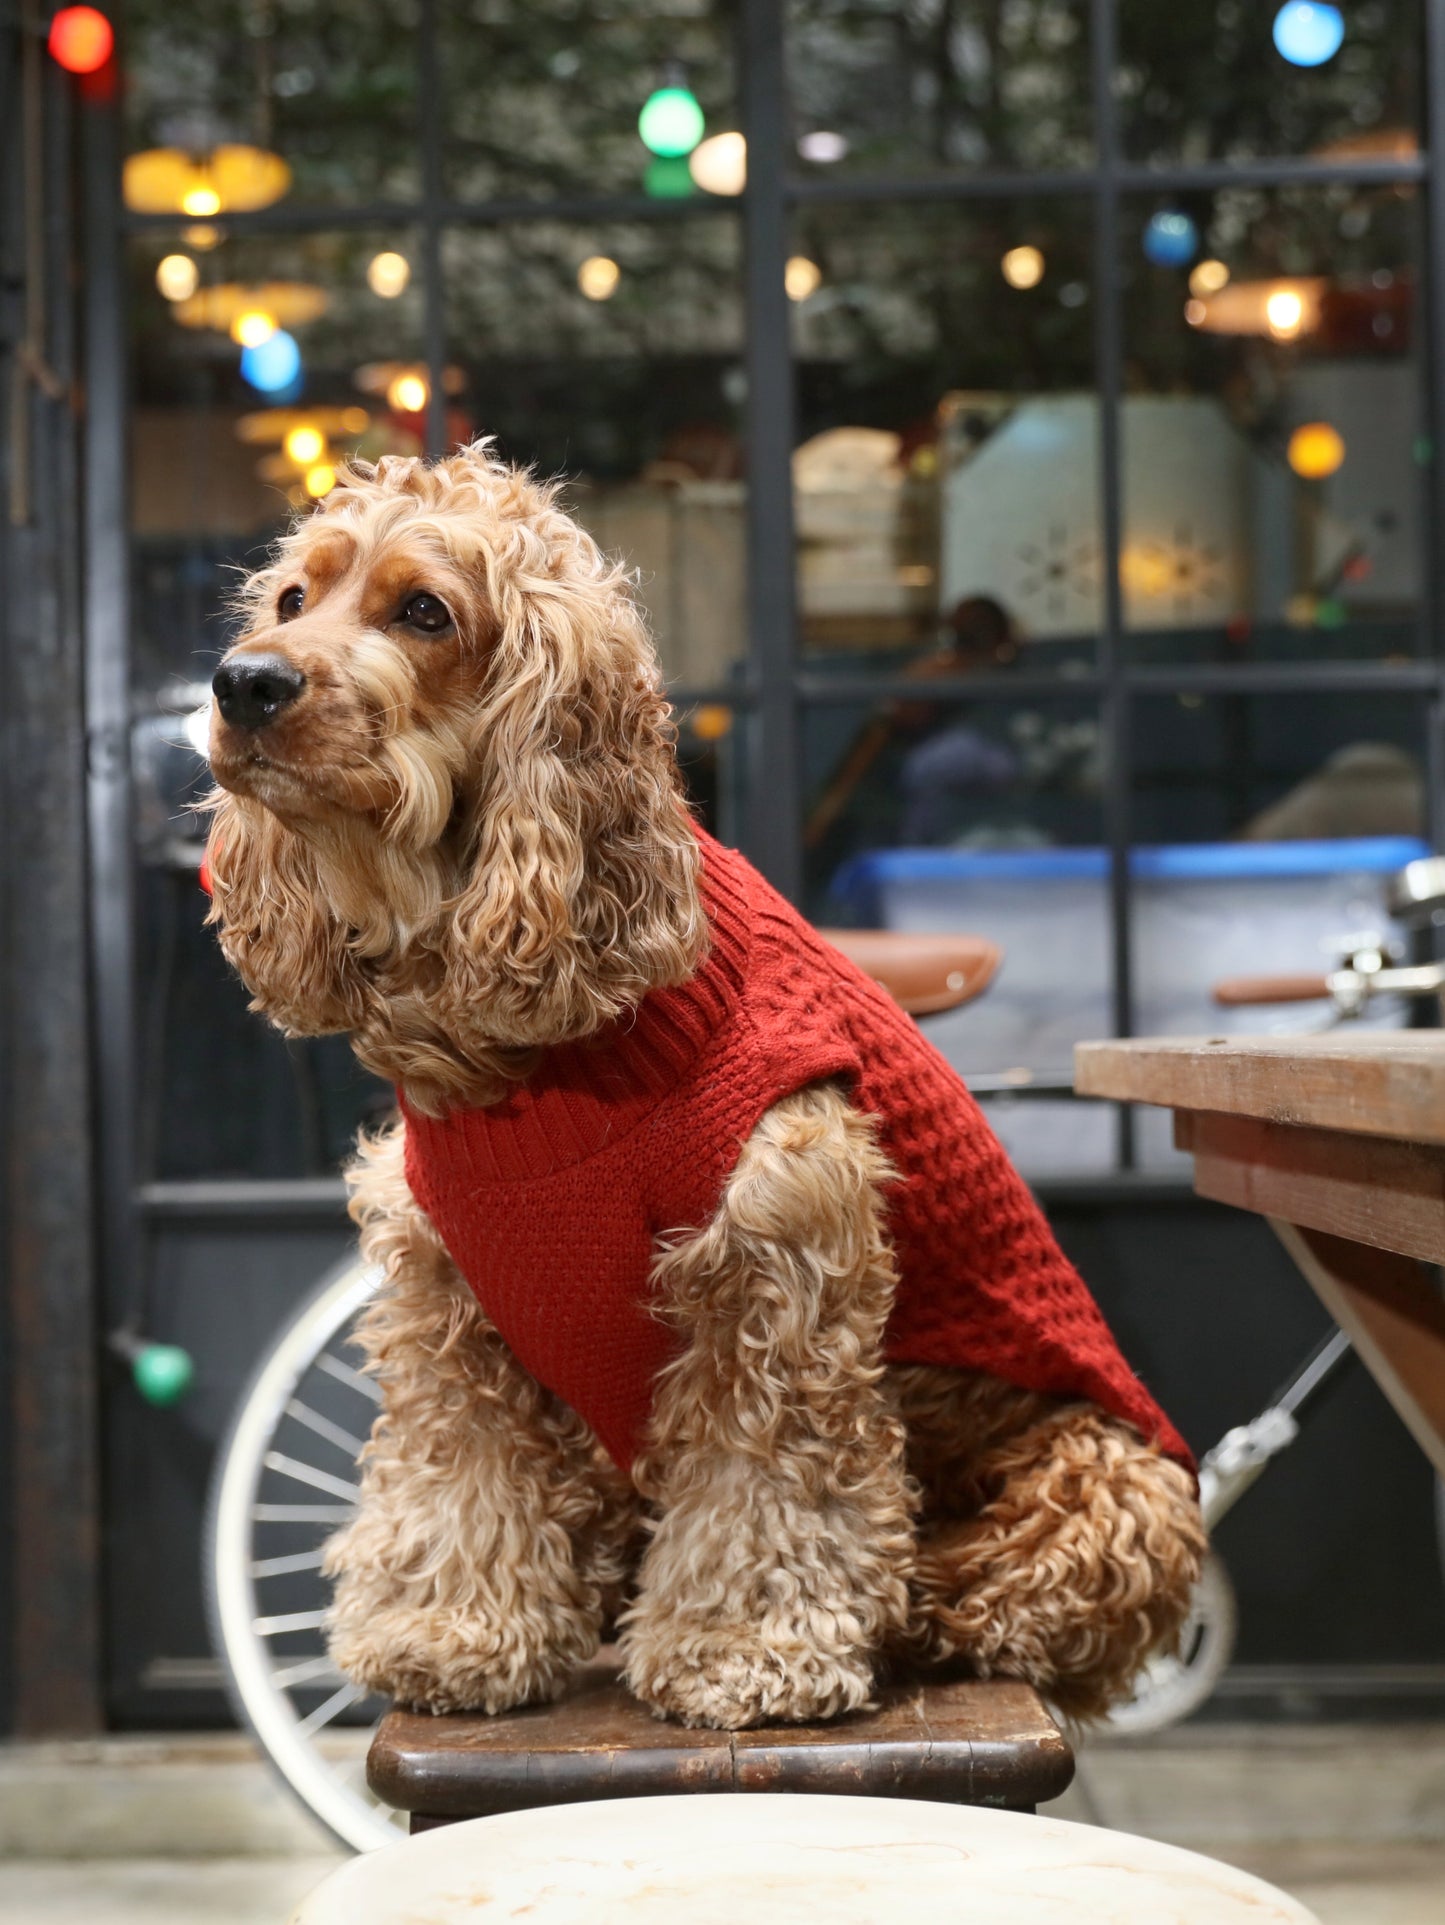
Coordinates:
[552,1201]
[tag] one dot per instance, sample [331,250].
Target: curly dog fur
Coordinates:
[465,840]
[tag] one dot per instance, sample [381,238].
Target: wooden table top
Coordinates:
[1371,1082]
[958,1741]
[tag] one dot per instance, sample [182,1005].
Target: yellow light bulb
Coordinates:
[252,327]
[320,480]
[388,274]
[598,277]
[802,277]
[203,237]
[200,200]
[1023,267]
[1208,278]
[305,444]
[1316,450]
[177,277]
[408,394]
[1284,310]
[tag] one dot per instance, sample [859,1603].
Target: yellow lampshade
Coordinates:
[1283,310]
[231,179]
[274,427]
[286,304]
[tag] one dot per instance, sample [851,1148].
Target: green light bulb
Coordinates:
[162,1373]
[668,179]
[671,122]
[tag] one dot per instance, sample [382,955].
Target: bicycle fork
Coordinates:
[1227,1471]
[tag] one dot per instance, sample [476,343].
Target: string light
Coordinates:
[202,237]
[408,393]
[387,275]
[1208,278]
[80,40]
[252,327]
[1022,267]
[1194,312]
[1308,32]
[598,276]
[305,444]
[1170,239]
[823,147]
[671,122]
[274,365]
[1315,450]
[320,480]
[802,277]
[177,277]
[720,165]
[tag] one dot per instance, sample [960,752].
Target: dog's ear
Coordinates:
[582,889]
[270,913]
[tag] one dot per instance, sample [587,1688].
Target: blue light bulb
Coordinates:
[272,364]
[1308,32]
[1170,239]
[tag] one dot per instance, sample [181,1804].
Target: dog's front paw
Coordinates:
[726,1679]
[444,1662]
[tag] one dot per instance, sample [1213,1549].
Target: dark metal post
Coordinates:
[429,140]
[774,816]
[46,1112]
[1109,357]
[1433,585]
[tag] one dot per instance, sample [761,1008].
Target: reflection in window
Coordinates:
[329,90]
[950,450]
[882,88]
[1209,82]
[1272,474]
[612,357]
[543,96]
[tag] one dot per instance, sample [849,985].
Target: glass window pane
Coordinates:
[1269,827]
[879,88]
[945,489]
[217,466]
[328,90]
[613,356]
[1273,426]
[544,96]
[1211,82]
[980,818]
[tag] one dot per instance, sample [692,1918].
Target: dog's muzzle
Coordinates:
[252,691]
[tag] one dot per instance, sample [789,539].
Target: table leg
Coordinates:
[1392,1310]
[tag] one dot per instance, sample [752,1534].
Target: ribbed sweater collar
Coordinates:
[587,1095]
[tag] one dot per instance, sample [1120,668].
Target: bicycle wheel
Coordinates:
[284,1481]
[1170,1689]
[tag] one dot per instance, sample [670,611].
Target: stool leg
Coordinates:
[782,1542]
[490,1532]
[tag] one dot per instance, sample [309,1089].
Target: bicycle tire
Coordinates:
[264,1702]
[1170,1689]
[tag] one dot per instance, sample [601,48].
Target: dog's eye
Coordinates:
[428,613]
[291,604]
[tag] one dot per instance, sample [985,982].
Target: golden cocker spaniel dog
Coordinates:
[450,824]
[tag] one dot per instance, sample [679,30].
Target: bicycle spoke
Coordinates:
[344,1374]
[302,1513]
[281,1566]
[319,1480]
[332,1708]
[288,1677]
[323,1426]
[288,1621]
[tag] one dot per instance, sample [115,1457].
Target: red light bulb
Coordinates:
[80,40]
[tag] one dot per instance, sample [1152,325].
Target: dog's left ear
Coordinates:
[583,883]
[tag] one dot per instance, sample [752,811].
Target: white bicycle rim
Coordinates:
[1170,1689]
[342,1806]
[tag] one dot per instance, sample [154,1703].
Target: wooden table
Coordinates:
[954,1741]
[1339,1140]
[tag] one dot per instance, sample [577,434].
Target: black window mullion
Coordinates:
[429,137]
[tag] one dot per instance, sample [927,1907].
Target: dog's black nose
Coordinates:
[253,690]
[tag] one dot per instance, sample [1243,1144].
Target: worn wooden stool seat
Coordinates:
[953,1741]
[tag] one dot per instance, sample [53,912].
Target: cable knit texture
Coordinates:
[552,1201]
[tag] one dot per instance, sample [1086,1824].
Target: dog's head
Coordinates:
[450,818]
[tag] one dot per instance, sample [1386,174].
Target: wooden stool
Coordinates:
[787,1861]
[958,1742]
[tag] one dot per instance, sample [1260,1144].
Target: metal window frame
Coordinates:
[777,689]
